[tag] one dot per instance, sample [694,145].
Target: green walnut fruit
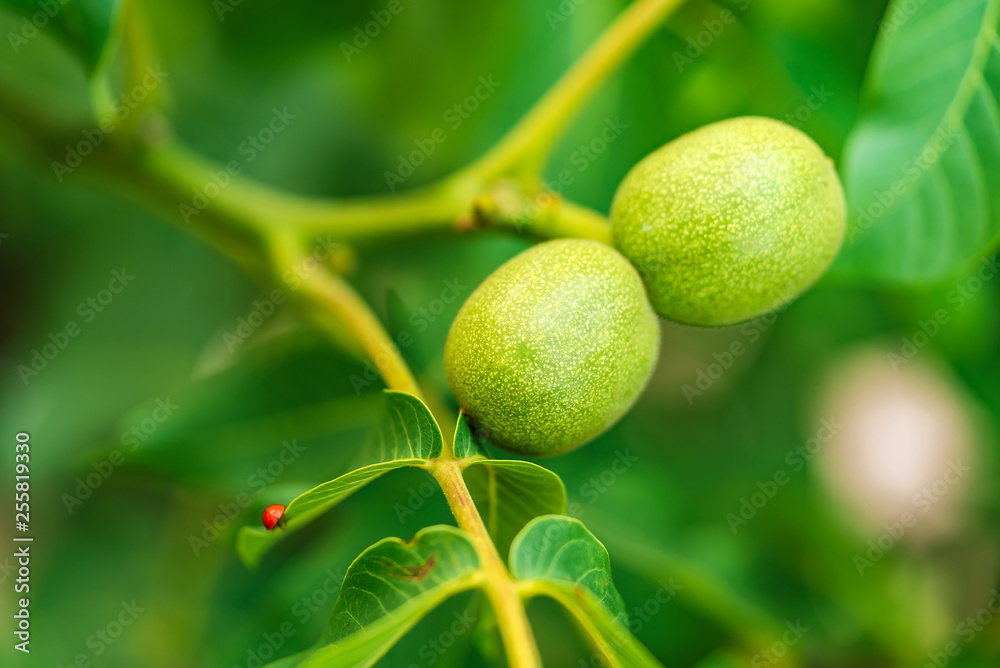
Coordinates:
[730,221]
[553,347]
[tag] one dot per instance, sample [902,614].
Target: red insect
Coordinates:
[272,516]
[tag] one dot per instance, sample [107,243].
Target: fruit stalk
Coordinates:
[330,295]
[337,297]
[165,165]
[501,589]
[525,148]
[351,310]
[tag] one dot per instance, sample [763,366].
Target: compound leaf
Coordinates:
[406,435]
[564,561]
[921,163]
[388,589]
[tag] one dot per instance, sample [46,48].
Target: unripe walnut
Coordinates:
[553,347]
[730,221]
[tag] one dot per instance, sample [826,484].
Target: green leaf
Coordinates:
[406,435]
[253,543]
[387,590]
[86,27]
[407,429]
[466,444]
[564,561]
[508,493]
[920,166]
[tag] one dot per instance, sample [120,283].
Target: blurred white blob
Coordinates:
[906,450]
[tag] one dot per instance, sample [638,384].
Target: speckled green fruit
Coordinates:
[553,347]
[730,221]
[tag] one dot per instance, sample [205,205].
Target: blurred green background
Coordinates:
[712,431]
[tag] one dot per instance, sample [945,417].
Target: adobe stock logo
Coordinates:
[363,35]
[60,339]
[120,109]
[88,483]
[565,9]
[249,148]
[420,320]
[899,13]
[923,502]
[914,170]
[713,28]
[454,116]
[797,458]
[47,10]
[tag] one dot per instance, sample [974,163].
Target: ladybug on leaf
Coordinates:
[272,516]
